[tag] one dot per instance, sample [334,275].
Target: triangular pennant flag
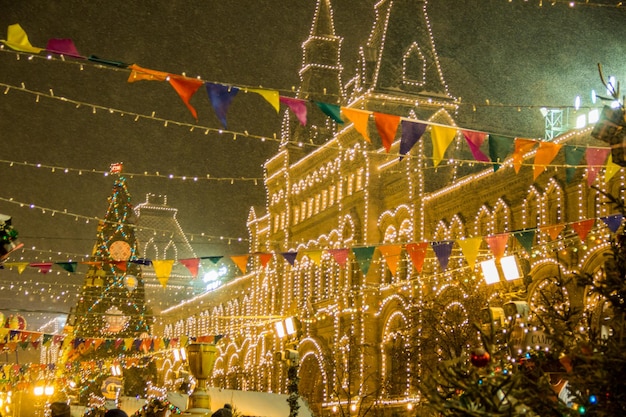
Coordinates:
[331,110]
[387,125]
[546,153]
[192,265]
[522,146]
[290,257]
[417,253]
[163,270]
[391,253]
[573,156]
[186,88]
[411,133]
[613,221]
[595,160]
[213,259]
[121,265]
[97,343]
[265,258]
[137,74]
[18,40]
[497,244]
[526,238]
[271,96]
[583,227]
[68,266]
[47,339]
[315,256]
[359,119]
[44,267]
[221,96]
[118,343]
[35,344]
[611,169]
[470,248]
[241,261]
[499,148]
[340,256]
[553,230]
[112,63]
[363,256]
[21,266]
[443,250]
[442,137]
[474,141]
[297,106]
[63,47]
[141,261]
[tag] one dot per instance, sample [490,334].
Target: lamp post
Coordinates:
[201,357]
[40,402]
[290,328]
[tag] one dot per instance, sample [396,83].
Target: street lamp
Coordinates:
[290,328]
[40,391]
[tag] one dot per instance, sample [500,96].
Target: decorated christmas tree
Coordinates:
[111,314]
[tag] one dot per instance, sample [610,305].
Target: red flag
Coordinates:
[387,125]
[192,265]
[186,88]
[583,227]
[417,252]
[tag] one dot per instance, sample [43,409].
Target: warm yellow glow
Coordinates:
[49,390]
[509,268]
[280,329]
[38,391]
[490,271]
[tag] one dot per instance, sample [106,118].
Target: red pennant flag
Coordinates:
[583,227]
[44,267]
[186,88]
[121,265]
[497,244]
[297,106]
[417,252]
[340,255]
[474,141]
[192,265]
[265,258]
[387,125]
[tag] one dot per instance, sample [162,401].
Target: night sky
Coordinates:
[515,54]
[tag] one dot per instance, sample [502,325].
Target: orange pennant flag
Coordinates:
[387,125]
[163,270]
[417,252]
[137,74]
[265,258]
[545,155]
[553,231]
[470,248]
[359,119]
[241,261]
[442,137]
[17,39]
[391,254]
[497,244]
[583,227]
[522,146]
[186,88]
[271,96]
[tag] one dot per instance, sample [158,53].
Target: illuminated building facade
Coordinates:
[374,318]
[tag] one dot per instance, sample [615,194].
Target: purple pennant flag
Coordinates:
[290,257]
[613,222]
[474,141]
[443,250]
[63,47]
[297,106]
[411,133]
[221,96]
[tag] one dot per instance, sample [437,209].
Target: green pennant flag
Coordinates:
[364,257]
[214,259]
[499,148]
[46,339]
[331,110]
[573,156]
[68,266]
[526,238]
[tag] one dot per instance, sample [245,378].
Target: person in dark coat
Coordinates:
[59,409]
[226,411]
[115,412]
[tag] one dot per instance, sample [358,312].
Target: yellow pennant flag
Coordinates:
[545,155]
[17,39]
[183,341]
[391,253]
[241,261]
[315,256]
[470,248]
[137,74]
[359,119]
[21,266]
[611,169]
[163,270]
[522,146]
[271,96]
[442,137]
[128,343]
